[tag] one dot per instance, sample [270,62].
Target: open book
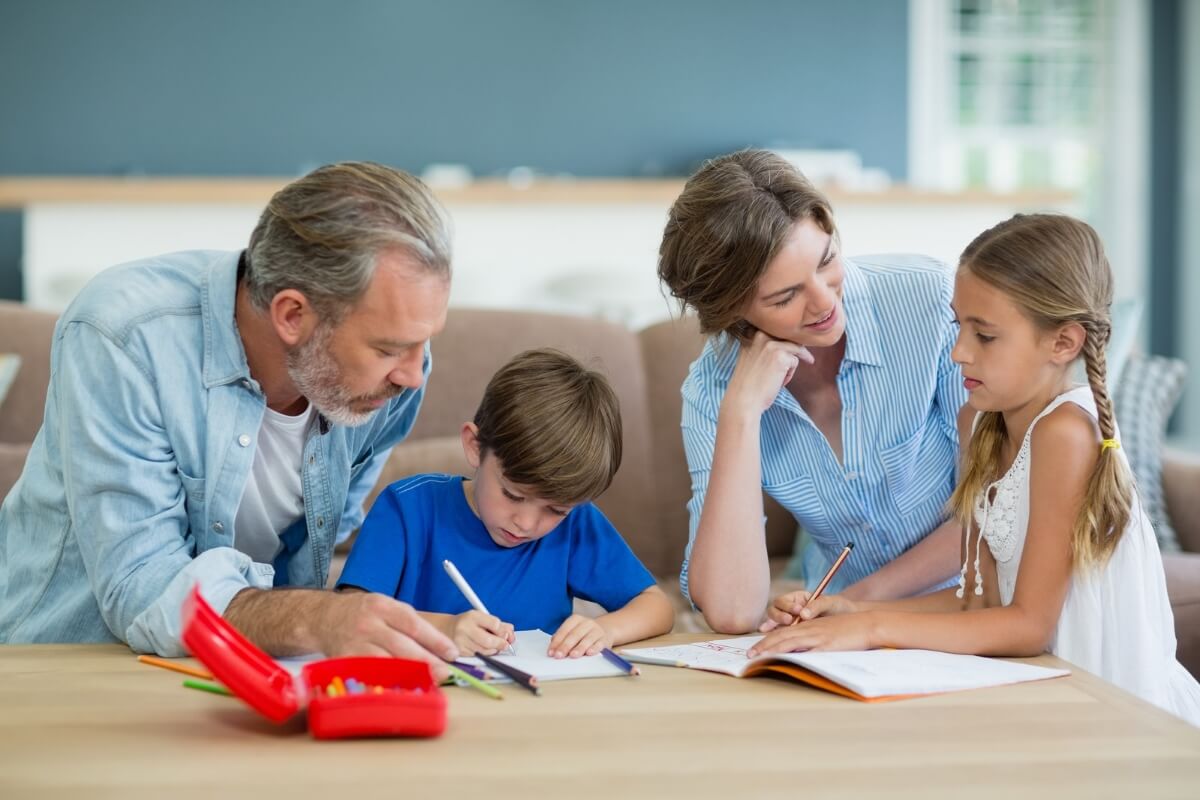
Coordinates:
[867,675]
[531,647]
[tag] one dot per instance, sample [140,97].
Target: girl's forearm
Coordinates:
[1004,631]
[728,575]
[940,601]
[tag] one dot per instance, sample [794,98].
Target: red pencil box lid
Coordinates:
[412,705]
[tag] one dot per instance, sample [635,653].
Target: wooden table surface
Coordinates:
[89,720]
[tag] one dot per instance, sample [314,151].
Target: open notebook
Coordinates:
[531,647]
[867,675]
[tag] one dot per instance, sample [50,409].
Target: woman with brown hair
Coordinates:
[826,382]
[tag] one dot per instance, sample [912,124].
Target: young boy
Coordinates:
[545,441]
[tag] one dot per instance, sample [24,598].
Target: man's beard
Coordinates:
[316,374]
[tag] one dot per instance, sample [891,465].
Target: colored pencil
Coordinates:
[215,688]
[620,662]
[473,682]
[470,669]
[195,672]
[658,662]
[523,678]
[833,568]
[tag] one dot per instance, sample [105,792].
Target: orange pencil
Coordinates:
[833,568]
[195,672]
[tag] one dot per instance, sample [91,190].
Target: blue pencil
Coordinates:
[620,662]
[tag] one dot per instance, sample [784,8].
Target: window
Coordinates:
[1007,94]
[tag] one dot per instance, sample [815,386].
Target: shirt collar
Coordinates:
[862,326]
[224,355]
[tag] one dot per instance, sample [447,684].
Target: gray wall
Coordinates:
[275,87]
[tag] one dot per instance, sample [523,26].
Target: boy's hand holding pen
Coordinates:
[478,631]
[477,605]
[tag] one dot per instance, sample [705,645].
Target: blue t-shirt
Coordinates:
[418,522]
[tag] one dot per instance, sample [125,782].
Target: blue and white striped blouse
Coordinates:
[900,399]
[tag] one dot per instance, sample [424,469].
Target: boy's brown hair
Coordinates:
[731,219]
[553,424]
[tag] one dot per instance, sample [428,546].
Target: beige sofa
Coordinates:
[647,499]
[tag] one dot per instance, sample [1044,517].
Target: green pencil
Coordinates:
[471,680]
[205,686]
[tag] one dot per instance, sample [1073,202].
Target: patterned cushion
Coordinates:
[1146,394]
[9,363]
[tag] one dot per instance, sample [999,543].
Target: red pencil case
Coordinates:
[407,703]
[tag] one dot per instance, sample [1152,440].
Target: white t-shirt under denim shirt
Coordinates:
[274,494]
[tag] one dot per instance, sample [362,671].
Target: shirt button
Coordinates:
[849,413]
[244,440]
[312,460]
[851,476]
[320,522]
[218,527]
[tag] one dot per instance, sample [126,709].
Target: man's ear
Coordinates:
[292,316]
[470,443]
[1068,342]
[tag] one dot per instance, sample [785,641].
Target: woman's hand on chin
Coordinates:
[764,367]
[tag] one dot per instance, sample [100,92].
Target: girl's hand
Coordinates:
[579,636]
[846,632]
[794,606]
[477,632]
[764,367]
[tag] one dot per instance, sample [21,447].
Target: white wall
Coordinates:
[593,259]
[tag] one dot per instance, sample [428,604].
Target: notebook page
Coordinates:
[720,655]
[531,657]
[878,673]
[870,673]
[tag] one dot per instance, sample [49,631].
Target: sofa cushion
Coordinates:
[1146,394]
[1183,587]
[27,333]
[9,364]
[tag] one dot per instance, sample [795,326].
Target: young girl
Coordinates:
[1070,564]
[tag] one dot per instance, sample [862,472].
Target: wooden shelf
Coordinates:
[19,192]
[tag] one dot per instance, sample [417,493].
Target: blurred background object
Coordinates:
[558,134]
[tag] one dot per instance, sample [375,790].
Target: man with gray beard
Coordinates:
[215,419]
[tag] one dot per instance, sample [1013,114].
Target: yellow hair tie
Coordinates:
[1107,443]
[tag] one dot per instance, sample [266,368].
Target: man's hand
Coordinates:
[298,621]
[376,625]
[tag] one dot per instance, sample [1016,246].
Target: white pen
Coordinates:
[468,592]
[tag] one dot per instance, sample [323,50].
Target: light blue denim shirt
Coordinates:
[900,393]
[131,488]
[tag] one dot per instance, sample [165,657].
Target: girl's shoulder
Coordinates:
[1066,440]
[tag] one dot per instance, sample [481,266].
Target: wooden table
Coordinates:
[88,720]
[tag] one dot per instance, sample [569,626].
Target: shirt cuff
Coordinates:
[221,573]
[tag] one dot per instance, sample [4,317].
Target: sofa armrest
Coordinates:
[1181,490]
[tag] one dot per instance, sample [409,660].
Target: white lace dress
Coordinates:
[1116,621]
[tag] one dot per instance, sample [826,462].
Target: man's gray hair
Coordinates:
[322,234]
